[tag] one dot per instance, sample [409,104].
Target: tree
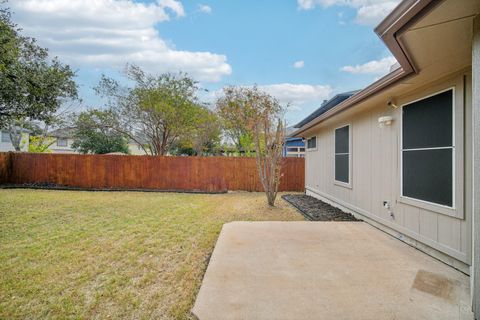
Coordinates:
[32,87]
[269,136]
[205,136]
[91,136]
[159,109]
[262,120]
[237,117]
[40,144]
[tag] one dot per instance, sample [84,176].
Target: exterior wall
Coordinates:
[135,149]
[7,146]
[54,148]
[375,177]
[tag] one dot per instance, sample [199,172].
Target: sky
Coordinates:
[300,51]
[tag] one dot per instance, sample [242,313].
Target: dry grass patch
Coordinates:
[67,254]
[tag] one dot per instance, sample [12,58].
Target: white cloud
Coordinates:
[205,8]
[298,95]
[110,33]
[381,66]
[369,12]
[299,64]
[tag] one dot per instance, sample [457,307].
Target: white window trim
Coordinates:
[456,210]
[316,144]
[341,183]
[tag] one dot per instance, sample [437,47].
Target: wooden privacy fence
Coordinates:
[118,172]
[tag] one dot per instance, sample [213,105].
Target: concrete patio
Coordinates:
[325,270]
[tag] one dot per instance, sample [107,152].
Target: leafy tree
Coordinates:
[91,136]
[40,144]
[32,87]
[159,109]
[237,117]
[206,135]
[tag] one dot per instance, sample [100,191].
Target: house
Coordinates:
[293,146]
[6,141]
[403,154]
[135,148]
[63,140]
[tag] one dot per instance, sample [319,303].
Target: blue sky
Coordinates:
[301,51]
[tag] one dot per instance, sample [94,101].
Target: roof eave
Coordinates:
[404,15]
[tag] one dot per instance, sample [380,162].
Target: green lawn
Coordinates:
[73,254]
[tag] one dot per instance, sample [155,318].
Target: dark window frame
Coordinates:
[452,148]
[311,148]
[349,153]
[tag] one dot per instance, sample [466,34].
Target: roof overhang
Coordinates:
[394,31]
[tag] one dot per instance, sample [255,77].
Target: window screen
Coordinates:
[428,149]
[312,143]
[342,154]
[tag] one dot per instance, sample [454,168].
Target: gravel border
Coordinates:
[317,210]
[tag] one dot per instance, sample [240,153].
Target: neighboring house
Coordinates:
[63,140]
[293,146]
[400,153]
[135,148]
[6,142]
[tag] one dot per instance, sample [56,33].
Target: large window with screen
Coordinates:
[428,149]
[342,154]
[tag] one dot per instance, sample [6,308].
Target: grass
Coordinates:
[73,254]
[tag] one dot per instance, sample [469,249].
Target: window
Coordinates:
[342,154]
[6,136]
[62,142]
[312,143]
[428,149]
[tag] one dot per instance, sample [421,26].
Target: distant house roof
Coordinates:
[17,128]
[326,105]
[294,142]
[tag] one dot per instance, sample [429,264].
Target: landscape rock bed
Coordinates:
[317,210]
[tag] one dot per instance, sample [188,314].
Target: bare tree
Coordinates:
[258,114]
[269,135]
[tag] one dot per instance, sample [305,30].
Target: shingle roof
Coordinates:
[327,105]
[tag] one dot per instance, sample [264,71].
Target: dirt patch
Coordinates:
[317,210]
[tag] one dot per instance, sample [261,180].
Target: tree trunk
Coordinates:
[15,136]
